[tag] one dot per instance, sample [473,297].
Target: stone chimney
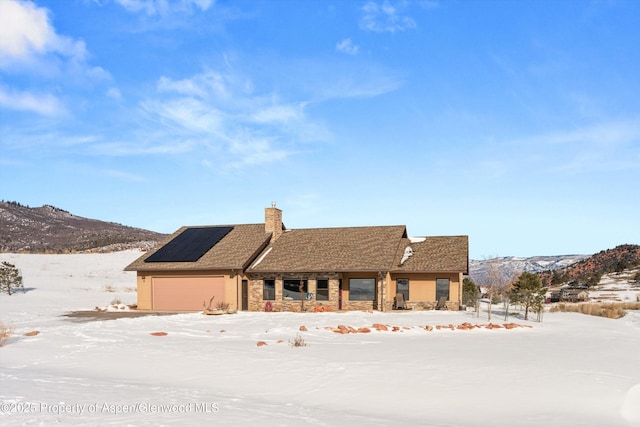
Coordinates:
[273,221]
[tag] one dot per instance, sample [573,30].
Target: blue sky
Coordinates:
[514,122]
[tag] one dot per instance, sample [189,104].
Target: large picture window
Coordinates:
[402,287]
[322,290]
[269,289]
[442,289]
[291,289]
[362,289]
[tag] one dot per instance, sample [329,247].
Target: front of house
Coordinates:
[263,267]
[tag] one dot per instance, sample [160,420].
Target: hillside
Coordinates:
[48,229]
[589,271]
[509,265]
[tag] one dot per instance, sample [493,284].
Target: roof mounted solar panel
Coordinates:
[190,245]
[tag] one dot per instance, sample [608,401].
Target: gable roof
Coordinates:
[332,250]
[434,254]
[235,250]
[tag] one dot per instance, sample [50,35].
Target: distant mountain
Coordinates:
[589,271]
[48,229]
[510,265]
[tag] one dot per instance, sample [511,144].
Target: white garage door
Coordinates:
[186,293]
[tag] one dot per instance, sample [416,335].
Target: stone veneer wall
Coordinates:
[257,303]
[424,305]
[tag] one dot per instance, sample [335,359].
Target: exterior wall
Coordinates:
[232,285]
[422,290]
[258,303]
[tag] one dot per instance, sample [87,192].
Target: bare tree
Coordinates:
[498,282]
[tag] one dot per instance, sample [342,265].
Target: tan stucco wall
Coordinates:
[422,287]
[232,285]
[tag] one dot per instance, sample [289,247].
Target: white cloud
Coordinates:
[164,7]
[45,104]
[347,46]
[114,92]
[26,33]
[385,17]
[203,85]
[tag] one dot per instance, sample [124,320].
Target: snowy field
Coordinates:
[570,370]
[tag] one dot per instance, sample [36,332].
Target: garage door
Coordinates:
[186,293]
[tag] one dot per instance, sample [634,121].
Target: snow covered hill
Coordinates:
[508,264]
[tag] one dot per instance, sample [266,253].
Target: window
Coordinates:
[322,290]
[269,289]
[291,289]
[362,289]
[442,289]
[402,287]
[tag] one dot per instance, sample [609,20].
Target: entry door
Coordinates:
[245,295]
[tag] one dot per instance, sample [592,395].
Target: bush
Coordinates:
[608,310]
[5,334]
[298,341]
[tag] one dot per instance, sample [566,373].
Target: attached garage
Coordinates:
[186,293]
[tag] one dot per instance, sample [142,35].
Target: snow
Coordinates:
[571,369]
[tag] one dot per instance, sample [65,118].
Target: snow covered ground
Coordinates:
[617,287]
[572,369]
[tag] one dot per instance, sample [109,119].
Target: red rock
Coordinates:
[380,327]
[261,343]
[353,330]
[31,334]
[364,330]
[429,328]
[159,334]
[303,328]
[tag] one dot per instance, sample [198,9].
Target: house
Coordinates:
[570,294]
[261,267]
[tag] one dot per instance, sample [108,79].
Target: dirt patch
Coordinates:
[93,315]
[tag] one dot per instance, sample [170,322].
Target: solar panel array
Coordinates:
[190,245]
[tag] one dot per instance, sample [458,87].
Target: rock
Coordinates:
[159,334]
[364,330]
[261,343]
[303,328]
[429,328]
[380,327]
[31,334]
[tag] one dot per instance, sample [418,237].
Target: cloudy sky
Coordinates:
[514,122]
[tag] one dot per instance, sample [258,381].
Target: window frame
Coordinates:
[288,293]
[403,292]
[440,292]
[324,295]
[362,280]
[268,287]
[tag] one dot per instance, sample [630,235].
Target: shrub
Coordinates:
[298,341]
[609,310]
[222,305]
[5,334]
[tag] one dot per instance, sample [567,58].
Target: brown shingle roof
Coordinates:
[435,254]
[332,249]
[234,251]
